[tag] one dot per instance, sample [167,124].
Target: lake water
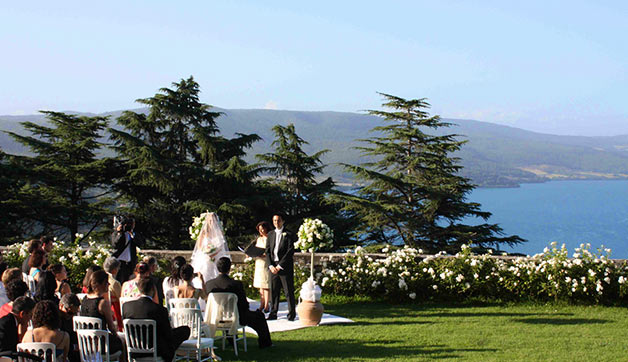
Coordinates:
[570,212]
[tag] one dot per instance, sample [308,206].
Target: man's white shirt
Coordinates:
[126,254]
[278,233]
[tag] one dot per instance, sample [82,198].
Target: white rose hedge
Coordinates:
[75,258]
[551,275]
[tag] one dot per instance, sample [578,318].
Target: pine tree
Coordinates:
[294,175]
[12,211]
[412,191]
[176,165]
[65,185]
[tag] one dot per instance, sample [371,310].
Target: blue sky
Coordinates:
[558,67]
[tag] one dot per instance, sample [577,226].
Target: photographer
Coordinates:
[125,242]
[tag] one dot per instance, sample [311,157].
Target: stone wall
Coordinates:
[238,257]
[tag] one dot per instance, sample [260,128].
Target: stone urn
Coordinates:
[310,313]
[310,309]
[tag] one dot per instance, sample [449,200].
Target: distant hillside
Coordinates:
[495,155]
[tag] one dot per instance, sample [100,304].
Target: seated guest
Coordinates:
[15,289]
[61,277]
[3,293]
[36,262]
[14,325]
[46,323]
[130,287]
[32,246]
[96,305]
[175,276]
[68,308]
[168,338]
[186,289]
[112,267]
[253,319]
[46,288]
[88,275]
[151,261]
[11,274]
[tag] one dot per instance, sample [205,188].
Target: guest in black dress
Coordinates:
[95,305]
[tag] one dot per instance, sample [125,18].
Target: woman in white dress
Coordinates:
[261,277]
[210,246]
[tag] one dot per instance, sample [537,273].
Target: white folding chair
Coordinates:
[192,318]
[32,284]
[126,300]
[45,350]
[139,335]
[94,343]
[80,322]
[183,303]
[169,294]
[222,315]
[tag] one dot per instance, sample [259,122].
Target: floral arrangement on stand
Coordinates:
[314,235]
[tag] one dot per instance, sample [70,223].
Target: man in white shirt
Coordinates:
[279,253]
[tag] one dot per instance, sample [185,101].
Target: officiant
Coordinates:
[261,278]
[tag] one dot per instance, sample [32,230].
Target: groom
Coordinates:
[279,252]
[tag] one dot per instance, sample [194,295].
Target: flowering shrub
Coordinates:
[74,257]
[314,235]
[551,275]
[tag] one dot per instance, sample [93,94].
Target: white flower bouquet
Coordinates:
[197,225]
[314,235]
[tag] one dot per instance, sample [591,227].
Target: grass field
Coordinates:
[481,332]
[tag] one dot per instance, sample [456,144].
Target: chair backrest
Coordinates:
[93,343]
[140,336]
[126,300]
[168,294]
[190,317]
[32,284]
[183,303]
[80,322]
[222,312]
[45,350]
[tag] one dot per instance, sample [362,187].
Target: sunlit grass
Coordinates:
[482,332]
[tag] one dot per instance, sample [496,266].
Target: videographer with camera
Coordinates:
[125,242]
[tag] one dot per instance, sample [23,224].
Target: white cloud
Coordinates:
[19,112]
[271,105]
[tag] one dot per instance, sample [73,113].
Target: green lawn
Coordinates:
[452,332]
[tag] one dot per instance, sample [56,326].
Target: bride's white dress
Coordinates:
[211,235]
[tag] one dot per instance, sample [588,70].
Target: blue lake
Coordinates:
[570,212]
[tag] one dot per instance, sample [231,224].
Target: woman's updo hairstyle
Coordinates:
[97,279]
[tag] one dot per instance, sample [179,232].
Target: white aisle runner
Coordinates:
[282,323]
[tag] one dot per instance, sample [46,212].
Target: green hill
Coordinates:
[495,155]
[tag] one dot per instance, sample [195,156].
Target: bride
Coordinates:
[210,246]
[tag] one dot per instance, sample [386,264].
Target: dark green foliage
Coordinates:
[294,175]
[13,226]
[62,189]
[176,165]
[413,193]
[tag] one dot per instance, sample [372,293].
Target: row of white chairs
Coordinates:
[221,315]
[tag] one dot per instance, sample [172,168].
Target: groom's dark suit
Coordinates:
[285,276]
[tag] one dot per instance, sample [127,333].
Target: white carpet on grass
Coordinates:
[282,323]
